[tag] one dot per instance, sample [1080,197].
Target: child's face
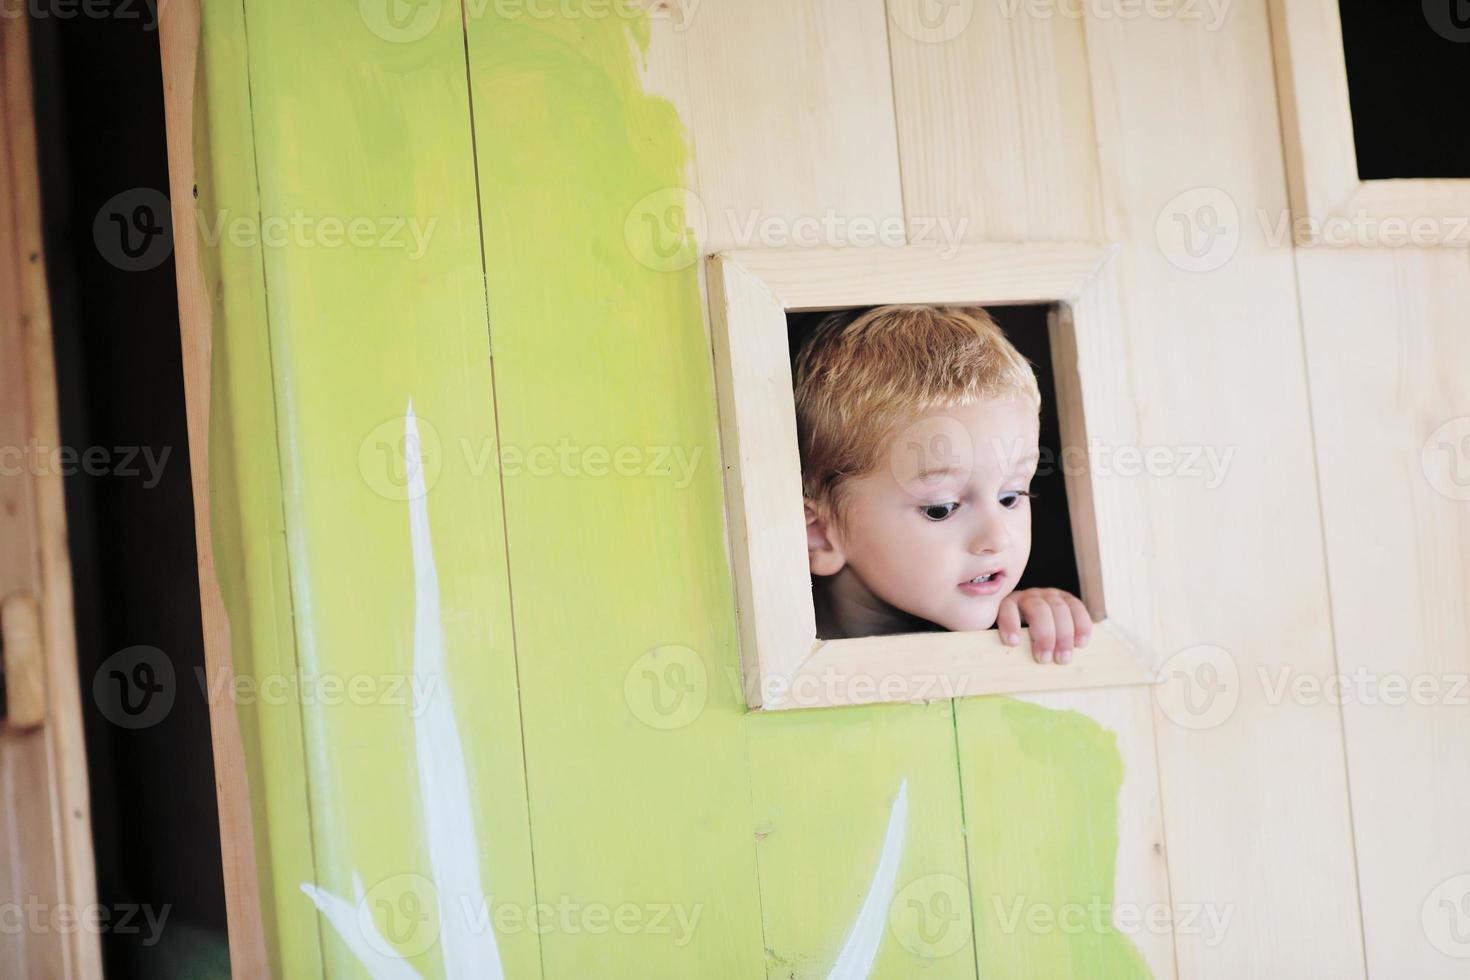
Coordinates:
[949,505]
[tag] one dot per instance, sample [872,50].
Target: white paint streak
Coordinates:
[855,962]
[345,918]
[444,785]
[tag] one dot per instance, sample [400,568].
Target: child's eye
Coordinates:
[938,512]
[1011,499]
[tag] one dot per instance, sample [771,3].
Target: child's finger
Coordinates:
[1062,620]
[1043,631]
[1008,621]
[1081,619]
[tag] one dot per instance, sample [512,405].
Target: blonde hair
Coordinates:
[856,380]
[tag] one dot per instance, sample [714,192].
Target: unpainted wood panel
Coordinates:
[1387,352]
[47,865]
[995,125]
[996,130]
[1254,791]
[790,112]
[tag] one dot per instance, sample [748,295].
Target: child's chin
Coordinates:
[973,622]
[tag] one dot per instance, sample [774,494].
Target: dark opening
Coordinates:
[129,505]
[1053,562]
[1408,67]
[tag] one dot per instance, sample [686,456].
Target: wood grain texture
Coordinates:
[185,107]
[995,123]
[816,73]
[992,272]
[1216,354]
[46,838]
[763,495]
[1386,350]
[1023,165]
[791,111]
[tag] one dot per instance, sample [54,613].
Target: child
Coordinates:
[918,428]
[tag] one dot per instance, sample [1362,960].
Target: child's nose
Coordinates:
[989,537]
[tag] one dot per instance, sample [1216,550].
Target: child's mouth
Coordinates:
[987,584]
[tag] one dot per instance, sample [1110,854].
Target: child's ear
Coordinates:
[823,549]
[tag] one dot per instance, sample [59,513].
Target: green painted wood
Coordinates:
[624,613]
[375,296]
[1041,796]
[245,493]
[674,833]
[824,783]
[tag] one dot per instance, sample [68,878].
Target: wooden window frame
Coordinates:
[1317,130]
[783,663]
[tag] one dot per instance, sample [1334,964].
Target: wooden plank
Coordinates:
[1066,837]
[1316,116]
[825,278]
[1327,196]
[23,648]
[43,772]
[827,786]
[1022,165]
[385,398]
[776,618]
[1231,573]
[995,121]
[816,75]
[920,666]
[1386,351]
[623,604]
[219,101]
[791,113]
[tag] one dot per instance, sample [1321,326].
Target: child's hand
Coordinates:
[1058,622]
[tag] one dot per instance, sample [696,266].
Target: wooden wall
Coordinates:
[590,747]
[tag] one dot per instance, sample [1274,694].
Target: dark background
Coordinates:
[1409,82]
[1053,561]
[100,132]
